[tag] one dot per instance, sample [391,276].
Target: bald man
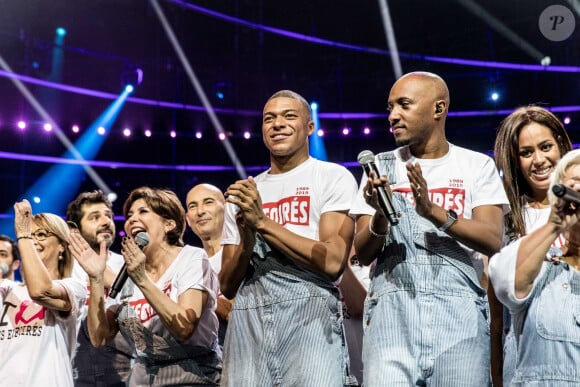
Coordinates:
[205,204]
[426,316]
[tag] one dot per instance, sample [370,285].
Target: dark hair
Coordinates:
[164,203]
[507,159]
[293,95]
[74,210]
[15,252]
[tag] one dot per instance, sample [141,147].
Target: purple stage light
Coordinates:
[247,135]
[21,125]
[222,136]
[126,132]
[567,120]
[320,132]
[76,129]
[101,130]
[173,134]
[147,133]
[47,127]
[258,113]
[366,131]
[373,50]
[345,131]
[198,135]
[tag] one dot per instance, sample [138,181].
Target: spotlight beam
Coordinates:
[315,142]
[575,4]
[501,28]
[59,133]
[198,88]
[391,41]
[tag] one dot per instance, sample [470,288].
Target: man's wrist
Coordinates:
[450,221]
[377,234]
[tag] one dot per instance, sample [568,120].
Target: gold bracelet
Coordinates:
[374,234]
[25,236]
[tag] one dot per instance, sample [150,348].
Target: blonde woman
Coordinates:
[38,324]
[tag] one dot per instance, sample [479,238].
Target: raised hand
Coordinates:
[92,263]
[565,213]
[22,218]
[419,188]
[135,260]
[370,191]
[244,193]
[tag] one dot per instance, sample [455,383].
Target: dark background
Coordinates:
[107,39]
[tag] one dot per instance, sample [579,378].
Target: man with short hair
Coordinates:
[426,314]
[92,214]
[205,205]
[9,257]
[284,250]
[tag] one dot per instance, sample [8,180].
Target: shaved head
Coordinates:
[437,85]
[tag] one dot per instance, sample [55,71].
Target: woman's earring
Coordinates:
[60,258]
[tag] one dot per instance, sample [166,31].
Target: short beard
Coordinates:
[96,245]
[402,142]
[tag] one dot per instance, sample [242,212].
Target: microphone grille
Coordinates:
[366,157]
[559,190]
[142,239]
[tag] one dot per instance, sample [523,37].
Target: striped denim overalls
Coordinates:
[285,328]
[426,317]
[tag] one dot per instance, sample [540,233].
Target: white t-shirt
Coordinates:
[190,270]
[216,261]
[36,343]
[216,264]
[297,199]
[502,266]
[115,262]
[461,180]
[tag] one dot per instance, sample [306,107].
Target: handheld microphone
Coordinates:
[142,240]
[366,159]
[565,193]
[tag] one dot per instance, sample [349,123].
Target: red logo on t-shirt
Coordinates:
[292,210]
[448,198]
[143,310]
[24,313]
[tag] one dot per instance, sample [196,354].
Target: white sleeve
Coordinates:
[230,233]
[77,294]
[502,273]
[359,205]
[488,188]
[344,193]
[196,273]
